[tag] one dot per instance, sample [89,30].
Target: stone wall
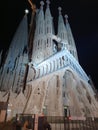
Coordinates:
[59,89]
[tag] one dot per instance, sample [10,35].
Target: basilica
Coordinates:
[41,73]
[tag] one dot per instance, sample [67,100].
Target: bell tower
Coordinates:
[39,38]
[62,32]
[71,43]
[48,31]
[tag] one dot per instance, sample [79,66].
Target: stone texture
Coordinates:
[54,80]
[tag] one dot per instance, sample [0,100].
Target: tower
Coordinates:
[62,32]
[12,74]
[56,84]
[39,43]
[49,31]
[72,47]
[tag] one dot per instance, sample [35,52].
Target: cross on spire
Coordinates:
[48,2]
[59,8]
[42,4]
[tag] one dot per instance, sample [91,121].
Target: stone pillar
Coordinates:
[46,68]
[54,65]
[58,63]
[50,67]
[41,71]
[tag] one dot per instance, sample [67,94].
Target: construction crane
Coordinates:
[30,39]
[33,6]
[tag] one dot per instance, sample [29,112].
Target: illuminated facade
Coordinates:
[42,71]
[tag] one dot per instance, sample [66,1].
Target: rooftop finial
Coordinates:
[66,18]
[42,4]
[59,8]
[48,2]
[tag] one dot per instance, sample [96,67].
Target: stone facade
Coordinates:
[46,77]
[59,89]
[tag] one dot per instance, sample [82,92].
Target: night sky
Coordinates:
[83,19]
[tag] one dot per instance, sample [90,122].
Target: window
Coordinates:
[65,111]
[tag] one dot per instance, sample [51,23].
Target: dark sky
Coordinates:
[83,19]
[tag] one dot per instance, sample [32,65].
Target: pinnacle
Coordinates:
[59,8]
[66,17]
[48,2]
[42,4]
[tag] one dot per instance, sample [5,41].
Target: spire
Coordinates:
[66,18]
[16,55]
[48,3]
[39,20]
[38,52]
[42,4]
[19,40]
[71,41]
[59,8]
[48,31]
[48,19]
[48,13]
[62,33]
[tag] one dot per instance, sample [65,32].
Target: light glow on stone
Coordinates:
[26,11]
